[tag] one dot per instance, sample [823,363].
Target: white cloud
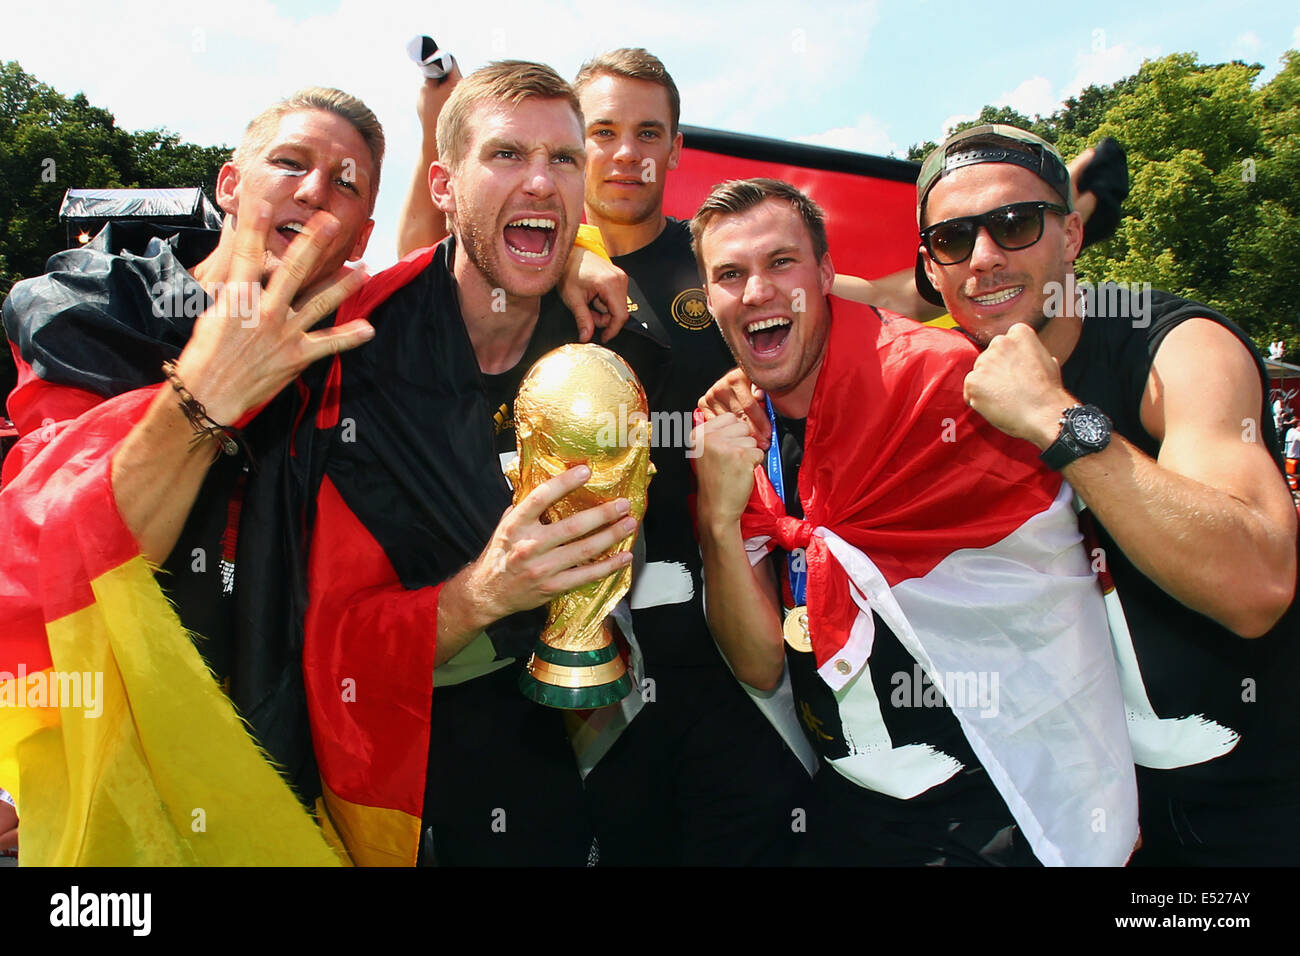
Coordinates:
[1295,38]
[956,118]
[1033,97]
[1104,64]
[1246,46]
[749,72]
[867,135]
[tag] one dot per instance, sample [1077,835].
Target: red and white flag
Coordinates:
[967,547]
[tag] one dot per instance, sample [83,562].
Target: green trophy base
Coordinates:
[575,680]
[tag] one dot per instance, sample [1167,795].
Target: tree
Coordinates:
[1214,195]
[1266,254]
[989,114]
[53,142]
[160,158]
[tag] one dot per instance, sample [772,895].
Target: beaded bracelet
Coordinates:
[204,427]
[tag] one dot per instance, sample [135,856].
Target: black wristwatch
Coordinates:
[1085,430]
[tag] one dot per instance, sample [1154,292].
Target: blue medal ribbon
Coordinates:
[798,579]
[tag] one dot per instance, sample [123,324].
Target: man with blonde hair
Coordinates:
[151,401]
[262,128]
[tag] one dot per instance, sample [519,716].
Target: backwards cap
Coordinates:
[1042,159]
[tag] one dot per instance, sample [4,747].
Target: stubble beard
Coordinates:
[480,253]
[483,255]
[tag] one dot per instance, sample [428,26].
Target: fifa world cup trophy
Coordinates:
[582,404]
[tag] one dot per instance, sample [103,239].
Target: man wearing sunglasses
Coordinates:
[1153,408]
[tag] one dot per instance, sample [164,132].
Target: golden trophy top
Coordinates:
[567,398]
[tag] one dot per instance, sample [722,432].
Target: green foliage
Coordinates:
[1213,213]
[990,114]
[918,151]
[53,143]
[1214,159]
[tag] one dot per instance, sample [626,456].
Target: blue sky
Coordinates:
[870,76]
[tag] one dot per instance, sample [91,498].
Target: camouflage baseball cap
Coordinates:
[1041,158]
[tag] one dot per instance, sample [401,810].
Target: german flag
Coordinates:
[368,654]
[115,740]
[165,763]
[869,201]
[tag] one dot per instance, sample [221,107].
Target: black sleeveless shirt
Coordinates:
[1191,665]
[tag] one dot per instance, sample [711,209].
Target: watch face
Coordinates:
[1090,427]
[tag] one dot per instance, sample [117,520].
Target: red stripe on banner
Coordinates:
[35,401]
[24,642]
[327,416]
[230,537]
[870,222]
[369,686]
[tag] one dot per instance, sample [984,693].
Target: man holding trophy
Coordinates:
[419,555]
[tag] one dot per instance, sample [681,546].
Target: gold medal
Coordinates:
[796,629]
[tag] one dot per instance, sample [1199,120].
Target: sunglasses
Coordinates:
[1015,226]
